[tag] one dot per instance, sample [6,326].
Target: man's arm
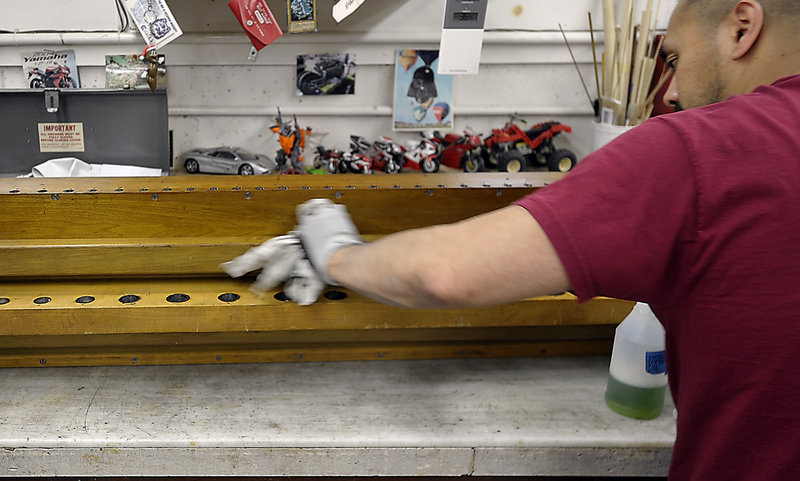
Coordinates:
[495,258]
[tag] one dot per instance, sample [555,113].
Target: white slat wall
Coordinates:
[217,96]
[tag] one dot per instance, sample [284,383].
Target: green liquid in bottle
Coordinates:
[635,402]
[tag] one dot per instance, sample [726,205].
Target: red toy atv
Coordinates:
[514,149]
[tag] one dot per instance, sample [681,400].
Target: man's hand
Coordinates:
[300,258]
[323,228]
[281,259]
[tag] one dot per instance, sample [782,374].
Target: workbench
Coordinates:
[513,416]
[126,351]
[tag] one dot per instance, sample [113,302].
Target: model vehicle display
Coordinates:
[292,140]
[460,151]
[226,160]
[334,161]
[513,149]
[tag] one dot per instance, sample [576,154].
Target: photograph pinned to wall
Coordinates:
[51,68]
[302,15]
[423,99]
[326,74]
[130,72]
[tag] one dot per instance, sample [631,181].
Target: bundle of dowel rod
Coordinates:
[629,62]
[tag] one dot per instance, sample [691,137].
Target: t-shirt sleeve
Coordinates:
[622,221]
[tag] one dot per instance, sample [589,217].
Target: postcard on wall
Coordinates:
[130,72]
[154,20]
[326,74]
[51,68]
[423,98]
[302,15]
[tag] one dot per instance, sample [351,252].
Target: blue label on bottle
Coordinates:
[655,362]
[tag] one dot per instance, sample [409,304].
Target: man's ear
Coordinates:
[747,19]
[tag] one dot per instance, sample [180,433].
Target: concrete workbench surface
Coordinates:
[396,418]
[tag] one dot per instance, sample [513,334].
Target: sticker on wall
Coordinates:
[423,98]
[302,15]
[326,74]
[130,72]
[51,68]
[154,20]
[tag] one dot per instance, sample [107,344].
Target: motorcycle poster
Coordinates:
[423,98]
[49,68]
[326,74]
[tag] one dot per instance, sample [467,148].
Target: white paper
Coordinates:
[154,20]
[343,8]
[74,167]
[460,51]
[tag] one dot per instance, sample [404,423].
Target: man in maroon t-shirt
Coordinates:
[696,213]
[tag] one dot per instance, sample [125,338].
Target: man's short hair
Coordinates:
[711,12]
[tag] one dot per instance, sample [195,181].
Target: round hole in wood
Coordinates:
[228,297]
[177,298]
[335,295]
[129,298]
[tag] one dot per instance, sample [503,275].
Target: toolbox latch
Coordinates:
[51,99]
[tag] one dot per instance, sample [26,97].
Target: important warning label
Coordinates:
[61,137]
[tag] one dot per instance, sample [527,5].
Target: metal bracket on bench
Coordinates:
[51,100]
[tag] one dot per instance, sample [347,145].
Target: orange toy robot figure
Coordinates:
[292,140]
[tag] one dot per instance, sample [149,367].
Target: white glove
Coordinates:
[281,259]
[323,228]
[304,284]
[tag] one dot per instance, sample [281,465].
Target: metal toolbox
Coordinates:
[102,126]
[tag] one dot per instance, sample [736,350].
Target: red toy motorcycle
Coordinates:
[387,155]
[328,159]
[460,152]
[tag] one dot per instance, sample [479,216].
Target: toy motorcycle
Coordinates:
[355,162]
[329,160]
[292,140]
[422,155]
[359,144]
[55,76]
[460,152]
[387,155]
